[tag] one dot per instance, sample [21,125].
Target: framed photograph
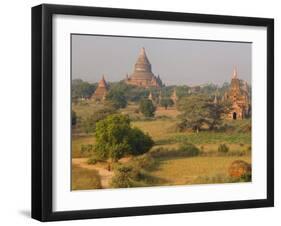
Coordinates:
[145,112]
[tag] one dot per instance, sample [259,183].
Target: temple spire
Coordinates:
[101,90]
[234,74]
[142,51]
[215,99]
[102,82]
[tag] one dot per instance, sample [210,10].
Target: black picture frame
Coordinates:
[42,107]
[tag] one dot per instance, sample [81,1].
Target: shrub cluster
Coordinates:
[189,149]
[223,148]
[134,173]
[185,150]
[125,177]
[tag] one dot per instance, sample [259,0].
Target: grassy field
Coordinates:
[190,170]
[205,168]
[83,179]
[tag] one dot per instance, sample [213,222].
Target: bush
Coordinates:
[125,177]
[140,142]
[189,149]
[166,102]
[147,108]
[117,98]
[185,150]
[145,162]
[223,148]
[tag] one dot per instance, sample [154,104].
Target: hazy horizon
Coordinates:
[178,62]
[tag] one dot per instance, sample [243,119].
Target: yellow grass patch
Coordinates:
[158,129]
[181,171]
[170,112]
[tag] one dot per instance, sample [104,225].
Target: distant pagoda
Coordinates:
[142,75]
[239,97]
[101,90]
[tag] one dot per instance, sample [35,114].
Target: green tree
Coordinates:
[115,138]
[89,123]
[147,108]
[81,89]
[182,91]
[193,111]
[209,88]
[131,93]
[214,113]
[117,98]
[199,110]
[166,102]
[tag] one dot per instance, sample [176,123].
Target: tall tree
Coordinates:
[193,111]
[117,98]
[166,102]
[199,110]
[214,113]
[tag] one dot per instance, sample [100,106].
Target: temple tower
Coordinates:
[238,95]
[101,90]
[142,75]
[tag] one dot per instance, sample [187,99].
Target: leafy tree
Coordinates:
[89,123]
[209,88]
[117,98]
[198,110]
[131,93]
[147,108]
[73,118]
[115,138]
[182,91]
[194,111]
[81,89]
[214,113]
[224,87]
[166,102]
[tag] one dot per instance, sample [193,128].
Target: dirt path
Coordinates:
[105,175]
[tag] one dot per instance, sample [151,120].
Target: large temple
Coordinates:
[239,97]
[101,90]
[142,75]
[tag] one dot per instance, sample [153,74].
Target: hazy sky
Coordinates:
[177,62]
